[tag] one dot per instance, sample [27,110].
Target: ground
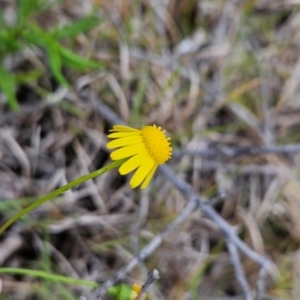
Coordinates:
[221,77]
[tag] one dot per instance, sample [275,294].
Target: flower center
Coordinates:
[156,143]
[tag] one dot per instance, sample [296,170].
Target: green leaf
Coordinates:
[55,62]
[31,37]
[76,28]
[57,54]
[8,86]
[8,41]
[27,77]
[2,20]
[34,35]
[25,9]
[37,36]
[120,292]
[75,61]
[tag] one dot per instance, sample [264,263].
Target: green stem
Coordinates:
[49,276]
[61,190]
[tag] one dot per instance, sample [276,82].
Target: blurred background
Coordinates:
[213,74]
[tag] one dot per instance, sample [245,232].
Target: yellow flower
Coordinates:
[136,291]
[145,149]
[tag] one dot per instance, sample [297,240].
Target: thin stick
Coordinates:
[100,292]
[231,152]
[239,271]
[260,284]
[152,277]
[227,230]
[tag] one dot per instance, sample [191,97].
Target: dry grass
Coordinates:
[213,73]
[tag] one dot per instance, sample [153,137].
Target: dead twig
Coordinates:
[260,284]
[227,230]
[152,277]
[231,152]
[100,292]
[239,271]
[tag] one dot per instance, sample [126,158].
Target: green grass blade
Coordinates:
[61,190]
[121,292]
[25,9]
[76,28]
[8,42]
[55,62]
[37,36]
[48,276]
[33,35]
[75,61]
[8,86]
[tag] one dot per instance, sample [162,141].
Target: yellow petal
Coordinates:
[132,163]
[125,141]
[123,128]
[123,134]
[136,291]
[142,171]
[149,176]
[137,288]
[127,151]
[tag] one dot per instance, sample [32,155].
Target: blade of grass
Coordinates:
[35,35]
[55,62]
[8,86]
[76,28]
[25,9]
[48,276]
[75,61]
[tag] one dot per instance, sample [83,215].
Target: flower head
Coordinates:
[145,149]
[136,291]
